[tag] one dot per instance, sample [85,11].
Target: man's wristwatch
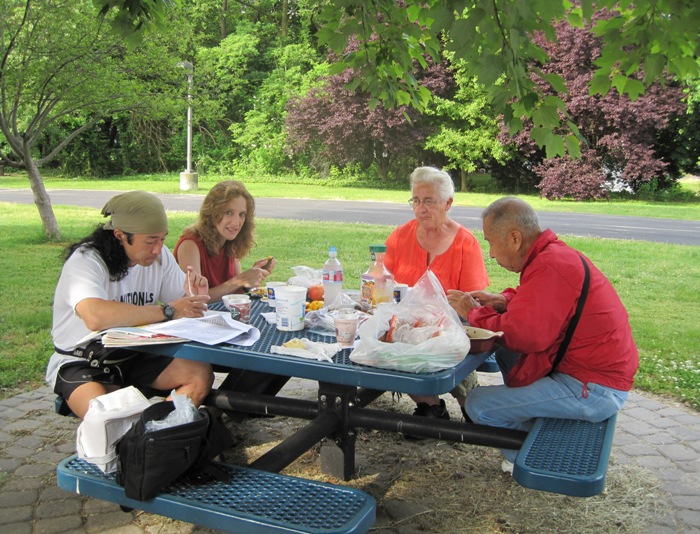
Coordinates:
[168,311]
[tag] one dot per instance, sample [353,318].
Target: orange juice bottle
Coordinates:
[377,283]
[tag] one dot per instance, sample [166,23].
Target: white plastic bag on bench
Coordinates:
[420,334]
[107,419]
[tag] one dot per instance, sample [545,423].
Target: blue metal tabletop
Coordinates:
[342,371]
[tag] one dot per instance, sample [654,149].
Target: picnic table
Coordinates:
[567,457]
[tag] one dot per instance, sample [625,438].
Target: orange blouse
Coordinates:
[460,267]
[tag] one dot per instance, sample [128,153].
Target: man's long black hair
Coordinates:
[107,246]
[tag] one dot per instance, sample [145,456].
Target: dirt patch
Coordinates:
[437,486]
[440,487]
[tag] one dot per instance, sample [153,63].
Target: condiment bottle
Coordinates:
[377,283]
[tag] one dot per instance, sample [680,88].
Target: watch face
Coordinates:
[168,311]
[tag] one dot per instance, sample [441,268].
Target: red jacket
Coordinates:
[538,312]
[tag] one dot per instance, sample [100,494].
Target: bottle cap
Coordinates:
[332,251]
[377,248]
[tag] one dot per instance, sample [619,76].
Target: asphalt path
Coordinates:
[392,214]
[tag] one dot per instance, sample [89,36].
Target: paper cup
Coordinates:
[290,308]
[270,290]
[239,306]
[345,323]
[400,292]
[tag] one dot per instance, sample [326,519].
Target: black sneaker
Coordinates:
[467,419]
[436,411]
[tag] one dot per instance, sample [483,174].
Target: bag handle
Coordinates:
[574,320]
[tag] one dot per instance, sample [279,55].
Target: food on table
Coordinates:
[314,305]
[421,326]
[257,292]
[315,293]
[295,343]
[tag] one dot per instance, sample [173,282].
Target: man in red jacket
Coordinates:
[592,380]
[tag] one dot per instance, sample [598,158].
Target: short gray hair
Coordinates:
[509,213]
[439,179]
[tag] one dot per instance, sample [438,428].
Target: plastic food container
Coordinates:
[480,339]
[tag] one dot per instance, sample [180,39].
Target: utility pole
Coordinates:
[189,179]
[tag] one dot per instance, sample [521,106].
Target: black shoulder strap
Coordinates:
[574,320]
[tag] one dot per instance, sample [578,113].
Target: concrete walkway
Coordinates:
[663,438]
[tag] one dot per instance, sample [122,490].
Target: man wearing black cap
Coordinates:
[123,275]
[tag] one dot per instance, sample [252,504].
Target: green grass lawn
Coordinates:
[657,282]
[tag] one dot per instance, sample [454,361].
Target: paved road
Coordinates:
[589,225]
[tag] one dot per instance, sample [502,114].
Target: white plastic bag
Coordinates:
[185,412]
[306,276]
[427,333]
[108,418]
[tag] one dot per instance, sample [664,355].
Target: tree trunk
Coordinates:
[285,8]
[462,180]
[222,20]
[42,201]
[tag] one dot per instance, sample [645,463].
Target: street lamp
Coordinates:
[189,178]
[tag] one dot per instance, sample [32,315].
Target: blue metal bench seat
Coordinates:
[252,501]
[489,365]
[565,456]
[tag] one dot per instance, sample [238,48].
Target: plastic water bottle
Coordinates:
[377,283]
[332,277]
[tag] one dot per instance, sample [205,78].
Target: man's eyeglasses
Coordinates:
[428,202]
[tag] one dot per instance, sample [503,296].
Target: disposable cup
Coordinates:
[345,323]
[270,290]
[239,306]
[290,309]
[400,291]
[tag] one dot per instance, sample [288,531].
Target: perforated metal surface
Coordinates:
[577,449]
[272,336]
[341,371]
[285,504]
[565,456]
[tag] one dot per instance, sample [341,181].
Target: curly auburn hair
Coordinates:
[212,211]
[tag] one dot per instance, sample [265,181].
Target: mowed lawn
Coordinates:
[658,283]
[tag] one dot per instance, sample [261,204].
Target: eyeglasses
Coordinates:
[417,202]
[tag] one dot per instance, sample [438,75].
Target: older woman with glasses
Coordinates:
[433,240]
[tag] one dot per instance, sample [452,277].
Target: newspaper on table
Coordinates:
[212,329]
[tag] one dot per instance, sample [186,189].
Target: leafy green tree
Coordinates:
[466,128]
[61,68]
[494,38]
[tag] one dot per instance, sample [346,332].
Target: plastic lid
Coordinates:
[332,251]
[377,248]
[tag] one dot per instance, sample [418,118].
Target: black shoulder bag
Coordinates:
[150,461]
[574,320]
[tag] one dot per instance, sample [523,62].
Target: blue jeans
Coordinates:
[558,396]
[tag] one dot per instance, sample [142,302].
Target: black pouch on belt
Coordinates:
[100,356]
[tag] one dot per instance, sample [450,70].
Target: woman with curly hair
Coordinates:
[213,247]
[221,237]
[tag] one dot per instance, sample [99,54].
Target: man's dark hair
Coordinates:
[109,247]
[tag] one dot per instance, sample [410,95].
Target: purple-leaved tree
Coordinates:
[618,134]
[334,125]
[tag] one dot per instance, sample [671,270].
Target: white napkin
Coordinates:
[313,350]
[270,317]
